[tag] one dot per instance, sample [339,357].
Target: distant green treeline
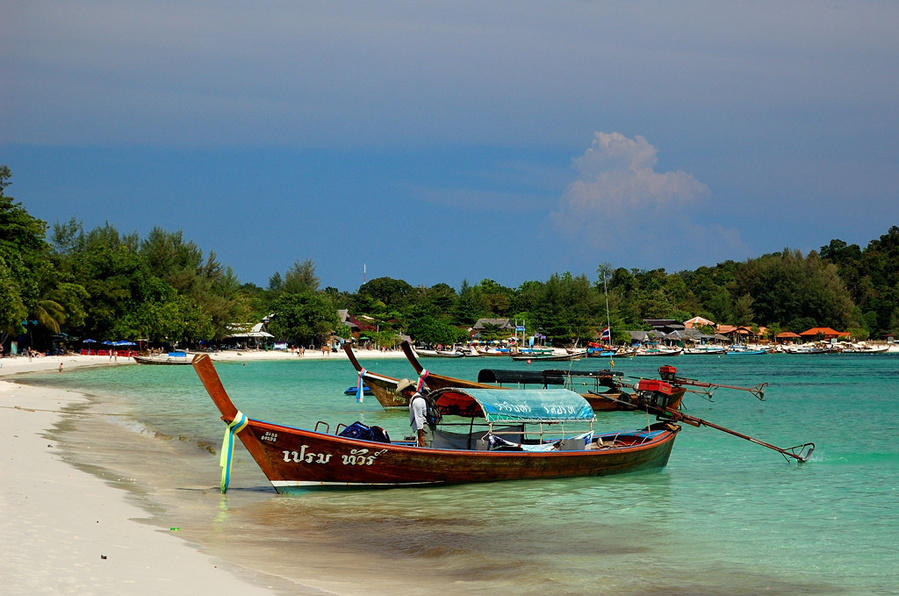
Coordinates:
[61,281]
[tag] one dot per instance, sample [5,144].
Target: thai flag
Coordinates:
[606,334]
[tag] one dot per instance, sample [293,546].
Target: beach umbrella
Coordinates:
[89,341]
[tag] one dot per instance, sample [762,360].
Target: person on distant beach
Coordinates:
[60,367]
[418,409]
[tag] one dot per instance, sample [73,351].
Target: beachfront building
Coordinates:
[825,333]
[665,326]
[249,336]
[483,327]
[698,322]
[742,334]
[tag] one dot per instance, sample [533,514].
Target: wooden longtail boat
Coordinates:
[170,358]
[440,354]
[549,357]
[435,381]
[658,352]
[603,397]
[494,442]
[603,389]
[381,386]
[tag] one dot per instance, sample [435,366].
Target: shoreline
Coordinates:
[14,365]
[71,529]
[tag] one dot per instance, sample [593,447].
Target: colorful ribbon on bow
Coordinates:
[421,379]
[238,424]
[360,390]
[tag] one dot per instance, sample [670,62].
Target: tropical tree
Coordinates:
[434,331]
[304,318]
[471,305]
[569,309]
[300,277]
[26,272]
[786,286]
[394,293]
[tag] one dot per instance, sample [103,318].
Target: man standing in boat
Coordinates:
[418,409]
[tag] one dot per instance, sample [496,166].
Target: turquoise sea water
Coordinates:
[726,516]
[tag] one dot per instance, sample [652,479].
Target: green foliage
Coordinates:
[471,305]
[871,276]
[893,328]
[569,309]
[303,318]
[743,313]
[785,286]
[393,293]
[858,334]
[300,277]
[109,285]
[12,309]
[434,331]
[23,265]
[385,339]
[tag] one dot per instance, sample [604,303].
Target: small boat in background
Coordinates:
[170,358]
[705,351]
[440,353]
[555,357]
[866,349]
[601,389]
[747,352]
[811,349]
[659,352]
[355,391]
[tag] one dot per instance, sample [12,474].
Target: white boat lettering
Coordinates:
[505,406]
[358,457]
[270,436]
[309,457]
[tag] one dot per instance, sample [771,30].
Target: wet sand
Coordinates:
[76,521]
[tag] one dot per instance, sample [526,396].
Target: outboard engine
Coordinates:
[668,373]
[655,394]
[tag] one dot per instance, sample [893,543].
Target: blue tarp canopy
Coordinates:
[515,405]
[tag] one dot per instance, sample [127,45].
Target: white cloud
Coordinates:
[620,203]
[616,175]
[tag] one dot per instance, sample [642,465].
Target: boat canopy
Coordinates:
[514,405]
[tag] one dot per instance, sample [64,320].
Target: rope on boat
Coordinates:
[421,379]
[238,424]
[360,391]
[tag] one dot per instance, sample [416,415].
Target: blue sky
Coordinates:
[449,141]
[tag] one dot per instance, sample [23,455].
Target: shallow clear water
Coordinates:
[726,516]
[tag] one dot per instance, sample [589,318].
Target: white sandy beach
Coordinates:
[66,531]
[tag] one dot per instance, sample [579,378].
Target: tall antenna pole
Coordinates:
[605,287]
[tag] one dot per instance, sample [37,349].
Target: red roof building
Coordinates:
[825,332]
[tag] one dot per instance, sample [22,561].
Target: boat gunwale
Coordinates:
[655,437]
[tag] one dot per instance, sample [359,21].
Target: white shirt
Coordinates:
[418,411]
